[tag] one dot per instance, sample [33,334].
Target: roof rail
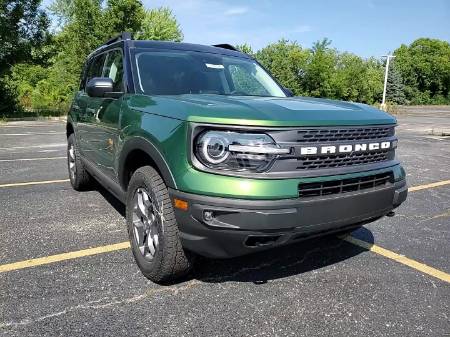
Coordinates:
[121,37]
[225,46]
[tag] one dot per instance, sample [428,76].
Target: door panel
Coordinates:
[104,137]
[86,125]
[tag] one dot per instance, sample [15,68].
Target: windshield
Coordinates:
[188,72]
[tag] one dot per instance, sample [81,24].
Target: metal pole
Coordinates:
[388,58]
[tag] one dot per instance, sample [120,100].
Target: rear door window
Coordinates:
[96,67]
[114,69]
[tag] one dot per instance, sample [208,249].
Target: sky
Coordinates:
[364,27]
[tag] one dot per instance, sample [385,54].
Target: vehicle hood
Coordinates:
[260,111]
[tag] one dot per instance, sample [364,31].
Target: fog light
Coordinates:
[208,215]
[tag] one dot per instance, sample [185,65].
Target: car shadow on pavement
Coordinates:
[111,199]
[294,259]
[277,263]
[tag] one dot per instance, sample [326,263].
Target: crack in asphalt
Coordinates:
[174,290]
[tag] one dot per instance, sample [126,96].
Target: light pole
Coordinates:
[388,58]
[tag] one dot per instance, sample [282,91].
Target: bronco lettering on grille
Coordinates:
[345,148]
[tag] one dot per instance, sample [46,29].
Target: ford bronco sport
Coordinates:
[212,156]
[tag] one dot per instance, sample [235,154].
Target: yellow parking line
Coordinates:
[123,245]
[399,258]
[432,185]
[32,159]
[34,183]
[32,134]
[62,257]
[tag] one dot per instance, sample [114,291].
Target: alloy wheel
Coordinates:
[72,166]
[145,224]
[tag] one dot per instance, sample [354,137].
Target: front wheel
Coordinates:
[152,228]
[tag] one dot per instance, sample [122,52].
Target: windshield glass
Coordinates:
[187,72]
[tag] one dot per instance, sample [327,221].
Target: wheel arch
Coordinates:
[69,128]
[138,152]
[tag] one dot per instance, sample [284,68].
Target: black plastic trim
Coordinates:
[111,185]
[140,143]
[234,221]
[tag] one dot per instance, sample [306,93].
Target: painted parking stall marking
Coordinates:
[427,186]
[62,257]
[32,159]
[43,182]
[443,276]
[125,245]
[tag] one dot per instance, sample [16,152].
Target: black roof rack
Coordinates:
[225,46]
[123,36]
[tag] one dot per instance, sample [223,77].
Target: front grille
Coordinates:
[344,185]
[321,135]
[341,160]
[324,156]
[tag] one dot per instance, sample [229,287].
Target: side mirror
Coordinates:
[99,86]
[288,92]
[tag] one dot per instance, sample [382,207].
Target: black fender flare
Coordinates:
[142,144]
[69,124]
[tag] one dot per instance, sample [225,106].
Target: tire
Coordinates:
[80,179]
[153,230]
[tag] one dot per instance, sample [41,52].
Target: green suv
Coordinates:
[213,157]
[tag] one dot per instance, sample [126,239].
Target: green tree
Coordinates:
[373,85]
[321,69]
[23,26]
[395,90]
[287,62]
[160,24]
[124,16]
[245,48]
[425,68]
[356,79]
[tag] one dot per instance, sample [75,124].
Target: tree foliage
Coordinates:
[287,62]
[123,16]
[23,27]
[425,68]
[395,90]
[50,81]
[322,71]
[160,24]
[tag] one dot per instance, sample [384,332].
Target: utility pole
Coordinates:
[388,58]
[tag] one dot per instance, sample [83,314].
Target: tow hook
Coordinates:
[390,214]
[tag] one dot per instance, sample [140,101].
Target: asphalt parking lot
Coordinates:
[324,287]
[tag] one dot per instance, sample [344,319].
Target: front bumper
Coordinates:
[238,226]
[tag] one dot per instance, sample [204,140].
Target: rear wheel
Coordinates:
[152,228]
[79,177]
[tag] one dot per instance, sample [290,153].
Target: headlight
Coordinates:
[228,150]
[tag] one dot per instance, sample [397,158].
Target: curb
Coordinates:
[32,119]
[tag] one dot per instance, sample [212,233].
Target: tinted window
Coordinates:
[96,67]
[114,69]
[188,72]
[83,76]
[244,82]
